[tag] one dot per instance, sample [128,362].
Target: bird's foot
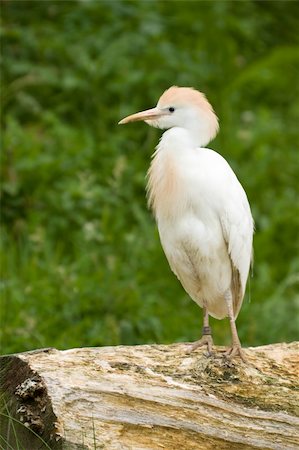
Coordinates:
[235,350]
[205,340]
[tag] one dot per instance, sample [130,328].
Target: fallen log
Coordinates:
[150,397]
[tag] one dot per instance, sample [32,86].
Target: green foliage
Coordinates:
[81,259]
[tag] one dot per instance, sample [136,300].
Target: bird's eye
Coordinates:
[171,109]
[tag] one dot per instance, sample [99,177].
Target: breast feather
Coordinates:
[163,184]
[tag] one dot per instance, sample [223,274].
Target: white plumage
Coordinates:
[201,209]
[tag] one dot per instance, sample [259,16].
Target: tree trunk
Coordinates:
[150,397]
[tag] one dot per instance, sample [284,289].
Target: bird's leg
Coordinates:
[236,349]
[206,338]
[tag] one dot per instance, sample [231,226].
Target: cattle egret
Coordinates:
[202,212]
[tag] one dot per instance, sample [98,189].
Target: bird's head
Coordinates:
[181,107]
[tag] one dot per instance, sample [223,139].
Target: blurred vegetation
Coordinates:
[81,259]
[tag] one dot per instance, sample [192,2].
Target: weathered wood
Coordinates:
[151,397]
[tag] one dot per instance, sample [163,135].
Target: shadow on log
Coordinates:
[150,397]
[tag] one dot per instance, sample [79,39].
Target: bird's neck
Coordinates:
[193,135]
[178,140]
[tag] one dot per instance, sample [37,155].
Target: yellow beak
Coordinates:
[149,114]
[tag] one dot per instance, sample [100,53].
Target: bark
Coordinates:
[150,397]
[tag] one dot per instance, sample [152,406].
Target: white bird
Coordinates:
[201,209]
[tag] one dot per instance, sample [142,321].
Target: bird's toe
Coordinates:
[205,340]
[236,350]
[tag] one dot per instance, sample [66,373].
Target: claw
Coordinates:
[236,350]
[205,340]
